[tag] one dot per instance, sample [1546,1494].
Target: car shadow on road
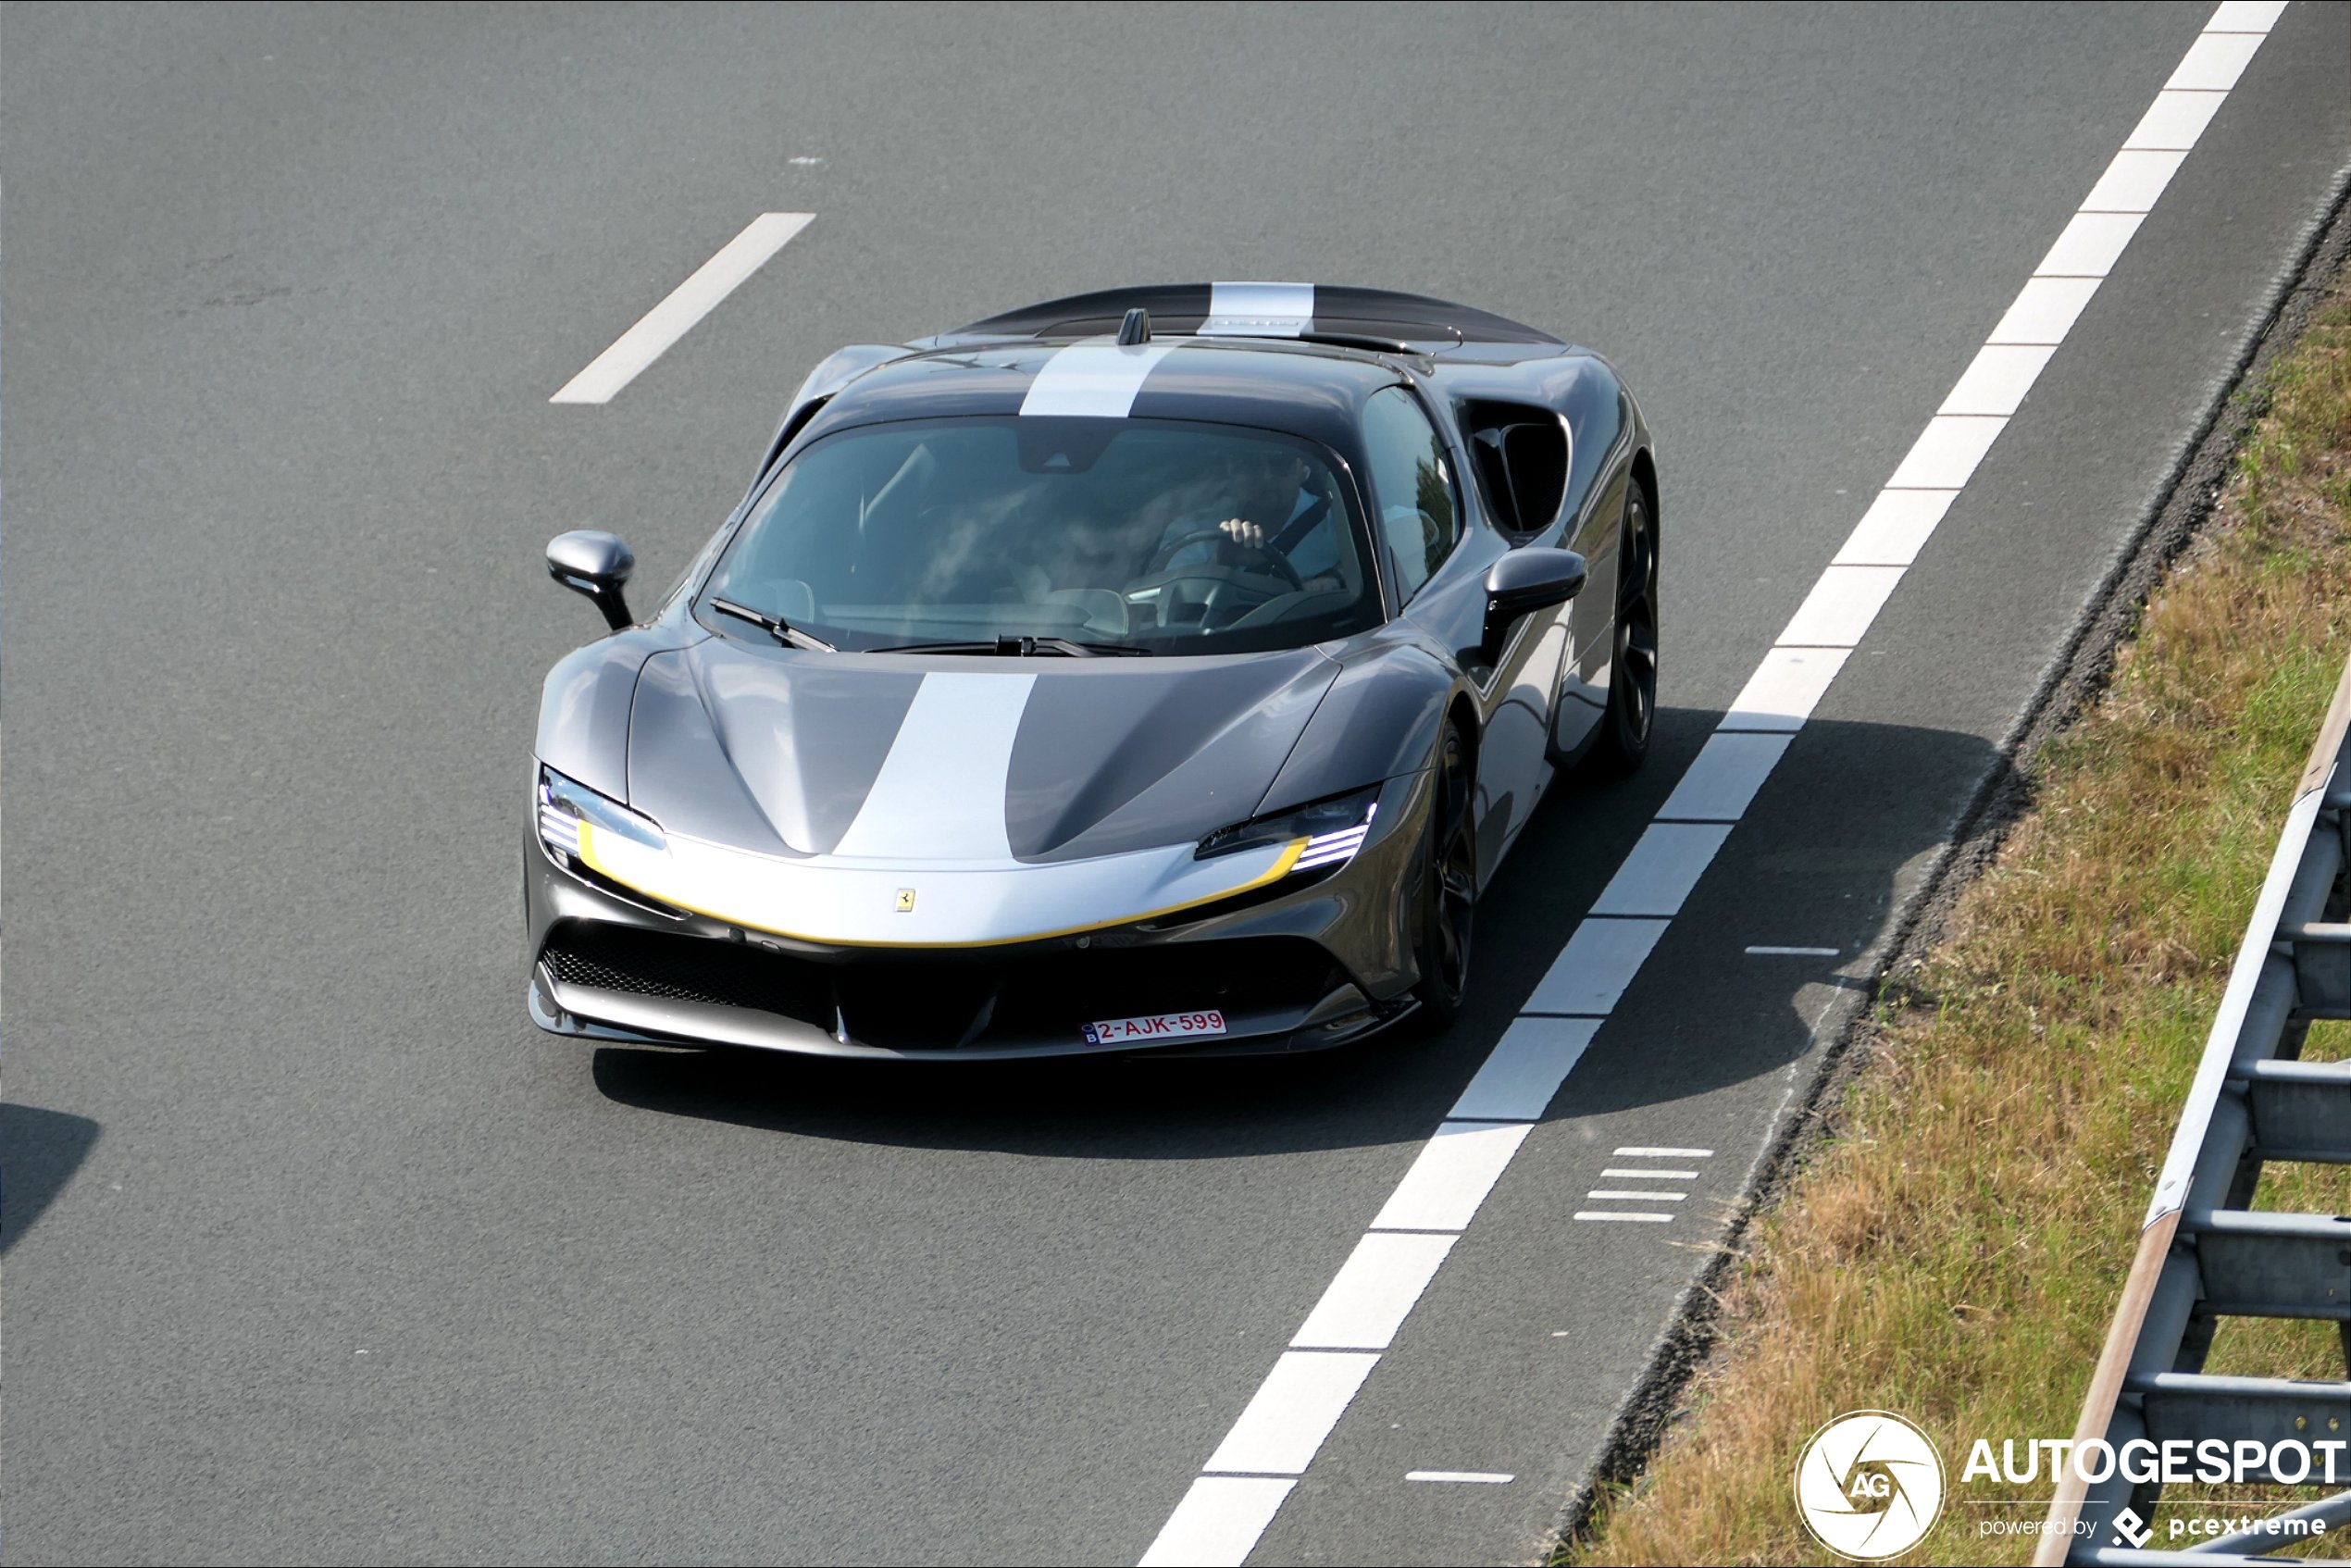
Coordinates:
[39,1153]
[1852,812]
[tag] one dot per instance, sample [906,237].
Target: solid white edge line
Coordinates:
[2091,244]
[1217,1523]
[2246,16]
[2174,122]
[2133,180]
[2045,310]
[1374,1290]
[1945,455]
[661,326]
[2214,62]
[1841,607]
[1999,379]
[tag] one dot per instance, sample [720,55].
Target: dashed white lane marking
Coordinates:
[1645,1195]
[1452,1176]
[1466,1477]
[1218,1521]
[1367,1303]
[1784,688]
[687,303]
[1794,952]
[1223,1515]
[1295,1408]
[1593,969]
[1730,767]
[1649,1172]
[1665,864]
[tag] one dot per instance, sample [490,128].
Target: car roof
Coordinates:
[1307,390]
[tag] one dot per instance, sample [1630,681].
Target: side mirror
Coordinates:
[594,563]
[1532,579]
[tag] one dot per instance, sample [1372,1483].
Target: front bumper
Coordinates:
[1303,969]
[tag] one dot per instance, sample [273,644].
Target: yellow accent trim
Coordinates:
[1281,868]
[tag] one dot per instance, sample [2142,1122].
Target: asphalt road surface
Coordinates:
[318,1250]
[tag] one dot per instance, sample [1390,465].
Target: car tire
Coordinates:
[1448,885]
[1631,676]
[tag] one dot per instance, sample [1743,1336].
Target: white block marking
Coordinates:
[1613,1214]
[1649,1172]
[1998,380]
[2045,311]
[1665,864]
[1651,1151]
[1720,784]
[1217,1523]
[689,303]
[1840,607]
[1456,1170]
[1788,685]
[1375,1288]
[1525,1069]
[1643,1195]
[1591,972]
[2214,62]
[1295,1409]
[1945,455]
[2173,122]
[1895,528]
[2132,182]
[1466,1477]
[1794,952]
[2091,244]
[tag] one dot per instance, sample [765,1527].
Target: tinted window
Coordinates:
[1411,486]
[1173,538]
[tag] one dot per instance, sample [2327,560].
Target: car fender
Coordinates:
[1379,719]
[583,708]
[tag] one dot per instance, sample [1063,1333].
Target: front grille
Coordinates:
[917,1002]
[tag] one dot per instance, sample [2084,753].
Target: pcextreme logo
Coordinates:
[1869,1485]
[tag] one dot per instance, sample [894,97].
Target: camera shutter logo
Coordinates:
[1869,1485]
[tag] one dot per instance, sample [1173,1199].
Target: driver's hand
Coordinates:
[1243,532]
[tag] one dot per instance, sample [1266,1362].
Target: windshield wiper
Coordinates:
[1020,647]
[774,627]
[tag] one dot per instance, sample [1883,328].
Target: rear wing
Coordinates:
[1259,310]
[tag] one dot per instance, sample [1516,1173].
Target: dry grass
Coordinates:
[1955,1251]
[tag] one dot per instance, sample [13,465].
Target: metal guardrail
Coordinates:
[2204,1252]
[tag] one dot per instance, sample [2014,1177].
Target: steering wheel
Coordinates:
[1274,558]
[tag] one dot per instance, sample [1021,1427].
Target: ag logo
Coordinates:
[1870,1485]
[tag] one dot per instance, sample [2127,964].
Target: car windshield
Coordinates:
[1079,534]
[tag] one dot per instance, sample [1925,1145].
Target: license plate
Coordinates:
[1158,1027]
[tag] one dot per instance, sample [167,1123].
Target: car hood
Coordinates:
[954,760]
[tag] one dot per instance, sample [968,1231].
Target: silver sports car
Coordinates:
[1165,668]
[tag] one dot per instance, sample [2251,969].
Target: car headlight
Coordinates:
[1333,829]
[570,813]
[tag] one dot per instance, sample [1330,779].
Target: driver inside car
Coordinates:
[1269,511]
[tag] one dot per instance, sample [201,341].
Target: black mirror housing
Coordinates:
[592,562]
[1535,578]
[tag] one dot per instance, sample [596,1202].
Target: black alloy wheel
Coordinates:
[1449,885]
[1632,680]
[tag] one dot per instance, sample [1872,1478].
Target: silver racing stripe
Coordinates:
[940,793]
[1093,380]
[1258,310]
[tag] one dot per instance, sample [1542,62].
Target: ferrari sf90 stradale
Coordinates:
[1166,668]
